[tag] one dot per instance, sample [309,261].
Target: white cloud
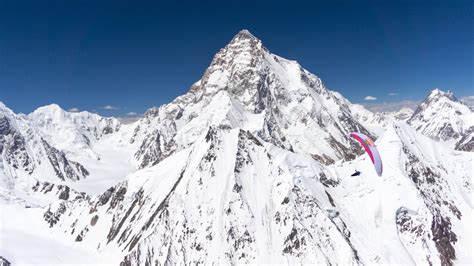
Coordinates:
[468,100]
[128,119]
[392,94]
[412,104]
[109,107]
[392,106]
[370,98]
[74,109]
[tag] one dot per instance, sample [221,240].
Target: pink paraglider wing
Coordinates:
[371,150]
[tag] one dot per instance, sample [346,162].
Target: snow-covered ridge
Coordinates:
[72,131]
[53,145]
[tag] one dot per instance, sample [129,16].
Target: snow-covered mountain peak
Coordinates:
[436,93]
[72,132]
[241,59]
[244,33]
[245,69]
[4,110]
[50,108]
[246,86]
[56,112]
[53,114]
[440,103]
[438,99]
[442,117]
[245,38]
[50,112]
[2,105]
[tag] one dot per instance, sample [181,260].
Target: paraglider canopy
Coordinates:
[371,150]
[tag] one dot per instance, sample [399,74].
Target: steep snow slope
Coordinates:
[442,117]
[26,156]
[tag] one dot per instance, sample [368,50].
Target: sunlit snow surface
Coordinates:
[116,162]
[26,239]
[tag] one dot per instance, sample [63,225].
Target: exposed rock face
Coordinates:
[414,230]
[466,142]
[64,168]
[431,184]
[60,192]
[13,148]
[4,262]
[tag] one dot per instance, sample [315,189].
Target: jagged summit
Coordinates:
[244,33]
[442,117]
[437,97]
[51,110]
[243,50]
[439,93]
[52,106]
[244,37]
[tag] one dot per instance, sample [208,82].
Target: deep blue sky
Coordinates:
[134,55]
